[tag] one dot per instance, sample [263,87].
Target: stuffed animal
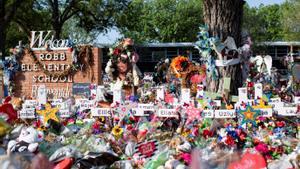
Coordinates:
[28,140]
[8,110]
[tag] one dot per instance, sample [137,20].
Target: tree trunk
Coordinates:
[2,30]
[55,19]
[224,18]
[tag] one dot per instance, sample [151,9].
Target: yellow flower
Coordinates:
[117,131]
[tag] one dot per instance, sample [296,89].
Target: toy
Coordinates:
[27,141]
[7,110]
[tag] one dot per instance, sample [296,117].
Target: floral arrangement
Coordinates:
[179,64]
[123,52]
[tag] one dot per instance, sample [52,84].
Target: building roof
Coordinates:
[190,44]
[281,43]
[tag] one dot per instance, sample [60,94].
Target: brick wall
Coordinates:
[24,79]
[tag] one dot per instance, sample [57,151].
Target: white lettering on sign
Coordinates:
[138,112]
[225,114]
[42,94]
[55,92]
[258,92]
[101,112]
[146,107]
[266,112]
[207,114]
[27,113]
[243,94]
[167,113]
[64,113]
[42,40]
[287,111]
[53,56]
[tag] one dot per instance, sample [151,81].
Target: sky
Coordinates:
[114,34]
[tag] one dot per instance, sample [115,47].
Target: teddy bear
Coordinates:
[28,140]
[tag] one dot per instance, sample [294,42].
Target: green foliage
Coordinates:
[291,20]
[263,23]
[161,20]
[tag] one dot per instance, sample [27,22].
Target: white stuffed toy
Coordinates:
[28,140]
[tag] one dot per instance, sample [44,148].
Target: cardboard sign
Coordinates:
[160,93]
[100,93]
[200,91]
[207,114]
[287,111]
[84,104]
[222,114]
[249,161]
[146,107]
[42,94]
[100,112]
[56,102]
[27,113]
[297,100]
[266,112]
[276,105]
[258,91]
[185,96]
[81,89]
[29,104]
[138,112]
[167,113]
[64,113]
[243,94]
[118,96]
[147,149]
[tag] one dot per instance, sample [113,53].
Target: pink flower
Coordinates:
[195,79]
[186,157]
[262,148]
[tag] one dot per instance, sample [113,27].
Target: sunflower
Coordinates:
[117,131]
[179,64]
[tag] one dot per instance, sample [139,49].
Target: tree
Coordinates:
[291,20]
[161,20]
[224,18]
[264,23]
[7,11]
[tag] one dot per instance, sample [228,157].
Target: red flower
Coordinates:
[229,141]
[207,133]
[242,135]
[117,52]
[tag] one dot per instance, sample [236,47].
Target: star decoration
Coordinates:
[249,115]
[261,105]
[48,113]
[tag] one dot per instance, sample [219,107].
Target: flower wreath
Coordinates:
[190,73]
[125,52]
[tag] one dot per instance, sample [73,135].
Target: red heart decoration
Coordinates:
[249,161]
